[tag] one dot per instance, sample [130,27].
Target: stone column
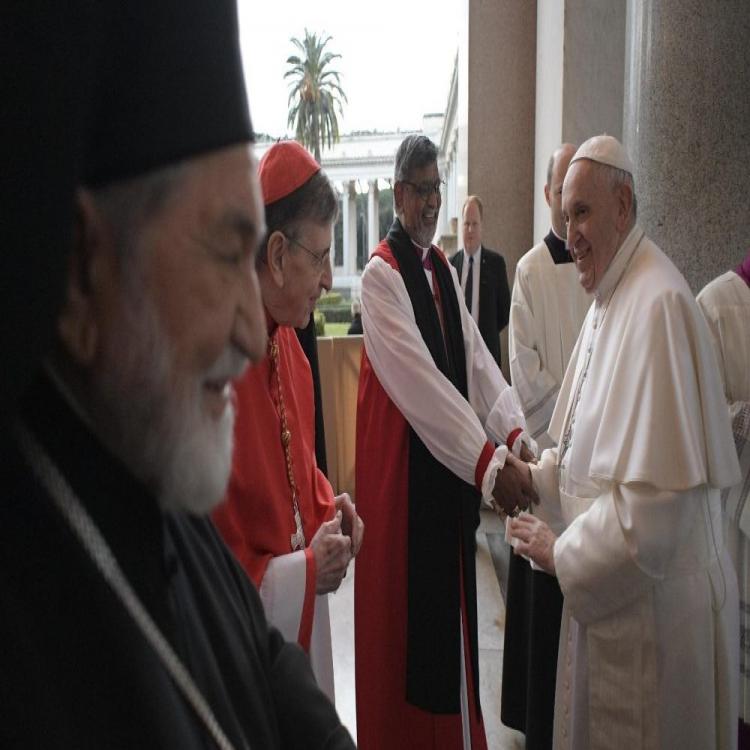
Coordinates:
[502,37]
[349,234]
[580,70]
[593,69]
[500,109]
[373,216]
[687,128]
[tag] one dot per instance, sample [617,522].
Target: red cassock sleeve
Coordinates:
[257,518]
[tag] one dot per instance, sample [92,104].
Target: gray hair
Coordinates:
[415,152]
[315,200]
[550,167]
[128,204]
[614,178]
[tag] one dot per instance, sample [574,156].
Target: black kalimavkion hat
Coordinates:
[91,92]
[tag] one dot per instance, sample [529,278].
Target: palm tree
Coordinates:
[315,94]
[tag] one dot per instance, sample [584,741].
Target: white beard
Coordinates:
[159,430]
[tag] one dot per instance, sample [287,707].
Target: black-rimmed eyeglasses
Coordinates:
[319,259]
[425,189]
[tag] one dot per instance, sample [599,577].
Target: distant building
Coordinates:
[361,167]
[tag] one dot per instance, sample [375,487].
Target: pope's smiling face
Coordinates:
[596,218]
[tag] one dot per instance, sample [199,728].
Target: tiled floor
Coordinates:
[491,621]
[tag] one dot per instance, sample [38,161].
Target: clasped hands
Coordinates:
[514,492]
[335,543]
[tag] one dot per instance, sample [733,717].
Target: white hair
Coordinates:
[615,178]
[147,412]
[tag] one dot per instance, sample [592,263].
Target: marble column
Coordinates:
[499,110]
[502,37]
[373,216]
[687,128]
[580,70]
[349,234]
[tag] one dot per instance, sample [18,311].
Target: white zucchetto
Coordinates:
[605,149]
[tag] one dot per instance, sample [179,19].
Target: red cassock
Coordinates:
[257,519]
[385,719]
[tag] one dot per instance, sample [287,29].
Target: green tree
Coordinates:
[316,94]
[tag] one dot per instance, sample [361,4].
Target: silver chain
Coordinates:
[98,550]
[570,417]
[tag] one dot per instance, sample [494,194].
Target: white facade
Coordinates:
[449,169]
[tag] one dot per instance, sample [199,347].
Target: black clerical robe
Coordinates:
[75,671]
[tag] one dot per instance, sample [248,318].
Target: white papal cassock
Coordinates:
[649,639]
[725,302]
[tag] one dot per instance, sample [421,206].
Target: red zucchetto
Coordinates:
[286,166]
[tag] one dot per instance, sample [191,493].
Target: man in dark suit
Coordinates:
[484,281]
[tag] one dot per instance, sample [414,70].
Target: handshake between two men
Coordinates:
[514,492]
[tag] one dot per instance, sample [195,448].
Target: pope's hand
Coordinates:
[332,551]
[513,490]
[535,540]
[351,524]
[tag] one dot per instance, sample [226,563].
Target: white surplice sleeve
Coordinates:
[437,412]
[493,400]
[625,543]
[537,389]
[282,592]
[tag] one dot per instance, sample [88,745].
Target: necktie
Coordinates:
[469,283]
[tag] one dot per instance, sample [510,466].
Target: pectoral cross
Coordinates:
[298,538]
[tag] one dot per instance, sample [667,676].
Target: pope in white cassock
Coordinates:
[548,307]
[649,638]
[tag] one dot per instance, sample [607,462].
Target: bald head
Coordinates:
[556,171]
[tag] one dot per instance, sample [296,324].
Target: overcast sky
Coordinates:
[396,57]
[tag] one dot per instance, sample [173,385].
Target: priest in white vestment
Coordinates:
[649,638]
[725,302]
[547,309]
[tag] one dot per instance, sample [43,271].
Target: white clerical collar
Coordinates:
[424,251]
[618,263]
[476,255]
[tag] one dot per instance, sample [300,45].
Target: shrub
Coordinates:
[330,298]
[320,323]
[338,313]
